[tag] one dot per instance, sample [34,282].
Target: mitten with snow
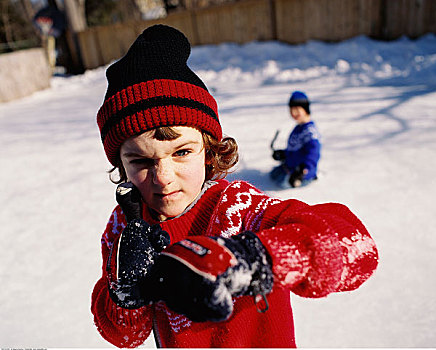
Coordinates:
[297,176]
[199,276]
[134,252]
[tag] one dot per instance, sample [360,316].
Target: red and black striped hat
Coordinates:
[152,86]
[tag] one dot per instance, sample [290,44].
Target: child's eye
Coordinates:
[142,161]
[182,152]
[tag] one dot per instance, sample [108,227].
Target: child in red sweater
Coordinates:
[201,261]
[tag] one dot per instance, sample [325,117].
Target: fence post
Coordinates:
[273,19]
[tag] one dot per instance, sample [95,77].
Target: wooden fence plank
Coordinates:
[289,21]
[90,49]
[368,13]
[239,22]
[429,21]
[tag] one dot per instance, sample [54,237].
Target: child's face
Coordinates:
[169,174]
[299,114]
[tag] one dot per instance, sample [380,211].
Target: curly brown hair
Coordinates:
[221,156]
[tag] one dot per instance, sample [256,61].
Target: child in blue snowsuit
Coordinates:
[299,161]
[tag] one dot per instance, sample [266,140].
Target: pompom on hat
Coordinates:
[152,86]
[299,98]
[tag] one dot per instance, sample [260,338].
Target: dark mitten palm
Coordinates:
[134,252]
[297,176]
[199,276]
[279,155]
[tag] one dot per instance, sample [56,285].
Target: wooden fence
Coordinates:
[291,21]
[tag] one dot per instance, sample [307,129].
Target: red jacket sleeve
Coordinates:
[315,249]
[121,327]
[319,249]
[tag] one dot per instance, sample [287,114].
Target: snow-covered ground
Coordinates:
[375,105]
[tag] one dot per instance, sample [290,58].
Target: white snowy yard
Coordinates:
[375,106]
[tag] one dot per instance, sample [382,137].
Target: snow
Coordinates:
[374,105]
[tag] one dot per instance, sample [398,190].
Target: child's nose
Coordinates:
[163,172]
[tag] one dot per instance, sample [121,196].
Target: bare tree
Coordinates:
[6,23]
[16,28]
[75,12]
[28,10]
[128,10]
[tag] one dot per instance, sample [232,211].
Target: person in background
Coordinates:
[201,261]
[299,161]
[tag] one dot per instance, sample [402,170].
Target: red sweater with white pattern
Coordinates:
[315,250]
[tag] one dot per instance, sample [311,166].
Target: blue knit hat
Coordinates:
[299,98]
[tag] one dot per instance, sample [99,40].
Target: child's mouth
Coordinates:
[168,196]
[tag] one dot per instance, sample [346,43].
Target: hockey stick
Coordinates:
[274,139]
